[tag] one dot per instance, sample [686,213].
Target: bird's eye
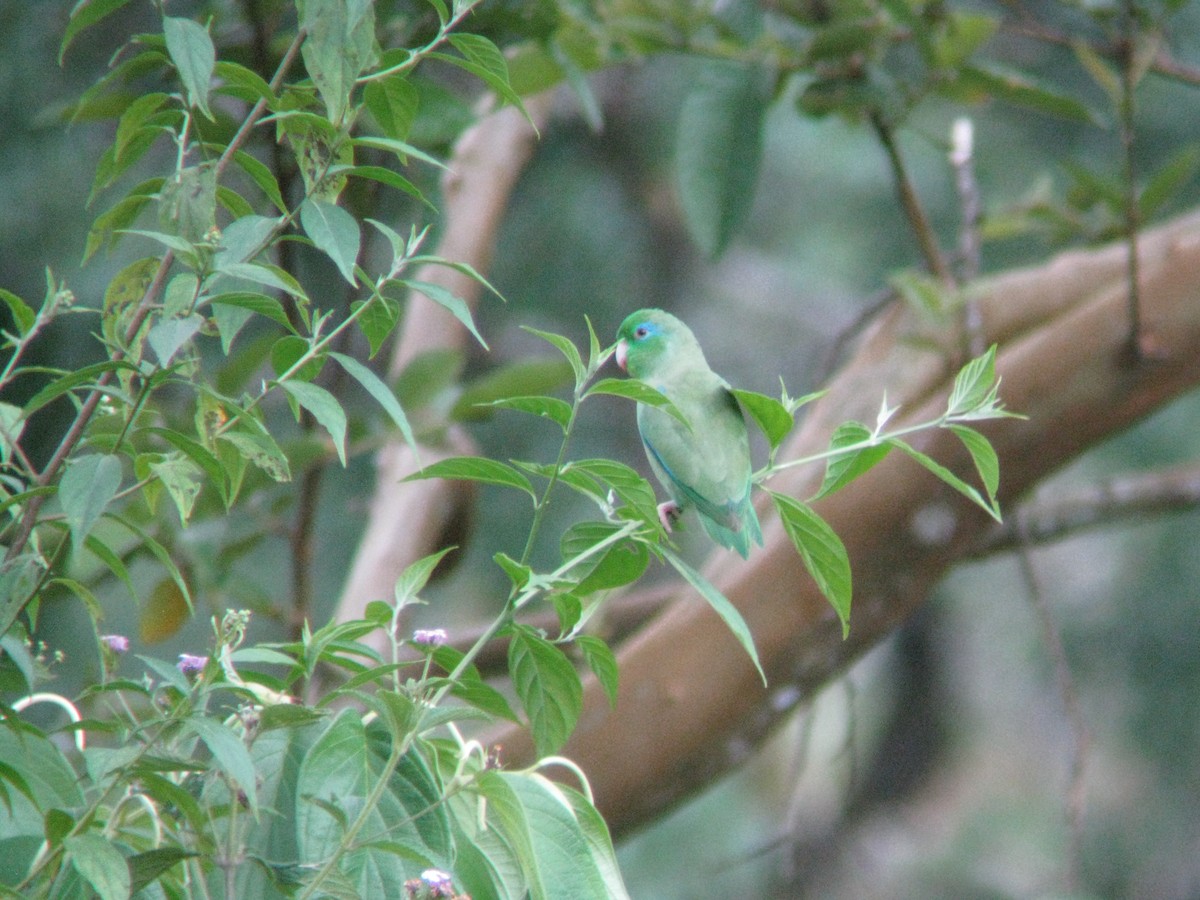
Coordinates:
[641,331]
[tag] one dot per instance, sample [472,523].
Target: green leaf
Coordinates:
[951,479]
[973,385]
[822,551]
[771,416]
[552,408]
[340,44]
[987,464]
[476,468]
[400,148]
[416,575]
[261,175]
[260,449]
[548,687]
[721,605]
[85,14]
[393,104]
[603,663]
[484,60]
[719,149]
[243,239]
[191,50]
[292,356]
[325,408]
[23,315]
[617,564]
[449,300]
[88,486]
[146,867]
[377,320]
[383,176]
[633,389]
[337,776]
[520,378]
[168,335]
[567,349]
[1167,183]
[261,304]
[100,864]
[381,392]
[181,478]
[335,232]
[1022,90]
[230,755]
[843,468]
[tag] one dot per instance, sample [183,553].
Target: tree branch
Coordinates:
[691,705]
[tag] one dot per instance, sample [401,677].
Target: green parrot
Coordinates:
[706,465]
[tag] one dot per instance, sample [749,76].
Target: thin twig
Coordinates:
[962,160]
[1133,216]
[911,203]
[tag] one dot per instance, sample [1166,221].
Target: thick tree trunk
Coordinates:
[691,706]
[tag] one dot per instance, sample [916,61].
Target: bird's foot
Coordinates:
[668,514]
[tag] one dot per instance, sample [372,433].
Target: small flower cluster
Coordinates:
[191,665]
[433,884]
[429,637]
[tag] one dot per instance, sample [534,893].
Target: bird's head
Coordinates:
[648,339]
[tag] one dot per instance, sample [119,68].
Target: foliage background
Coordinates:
[939,766]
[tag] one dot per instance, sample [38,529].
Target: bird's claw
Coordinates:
[668,514]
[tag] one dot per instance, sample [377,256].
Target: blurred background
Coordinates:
[941,765]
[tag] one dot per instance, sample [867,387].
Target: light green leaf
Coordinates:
[230,755]
[168,335]
[416,575]
[521,378]
[843,468]
[381,392]
[552,408]
[548,687]
[325,408]
[23,315]
[393,103]
[822,551]
[100,864]
[377,320]
[340,44]
[771,416]
[476,468]
[719,148]
[567,349]
[633,389]
[950,478]
[86,489]
[260,449]
[450,301]
[191,49]
[181,478]
[603,663]
[335,232]
[973,385]
[721,605]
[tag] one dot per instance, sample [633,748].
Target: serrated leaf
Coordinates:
[88,486]
[191,49]
[843,468]
[548,688]
[476,468]
[973,384]
[618,564]
[600,659]
[822,552]
[261,175]
[987,464]
[381,392]
[721,606]
[146,867]
[771,416]
[335,232]
[484,60]
[325,408]
[719,149]
[261,450]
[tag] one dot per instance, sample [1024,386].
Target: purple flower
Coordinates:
[429,637]
[117,643]
[440,884]
[191,665]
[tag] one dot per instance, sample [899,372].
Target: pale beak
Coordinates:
[622,355]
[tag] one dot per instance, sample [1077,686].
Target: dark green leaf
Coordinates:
[85,14]
[448,300]
[822,551]
[617,564]
[548,687]
[23,315]
[377,320]
[393,104]
[567,349]
[100,864]
[1021,90]
[719,148]
[147,866]
[262,175]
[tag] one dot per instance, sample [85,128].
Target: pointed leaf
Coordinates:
[721,605]
[168,335]
[381,392]
[191,50]
[450,301]
[476,468]
[602,662]
[335,232]
[822,551]
[325,408]
[100,864]
[230,755]
[768,413]
[843,468]
[88,486]
[548,687]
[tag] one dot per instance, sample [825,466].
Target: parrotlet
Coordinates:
[706,463]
